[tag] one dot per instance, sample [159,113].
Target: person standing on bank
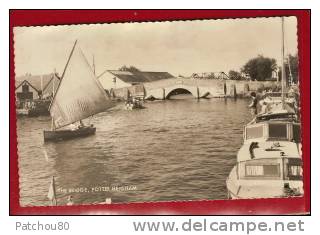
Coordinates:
[254,103]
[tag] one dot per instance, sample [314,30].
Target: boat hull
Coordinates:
[59,135]
[253,189]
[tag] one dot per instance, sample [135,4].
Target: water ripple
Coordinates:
[172,150]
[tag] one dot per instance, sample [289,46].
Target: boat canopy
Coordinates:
[79,95]
[278,95]
[273,131]
[277,111]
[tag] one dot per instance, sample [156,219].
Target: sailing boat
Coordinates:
[269,163]
[78,96]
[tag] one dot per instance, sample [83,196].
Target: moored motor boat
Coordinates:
[269,163]
[266,170]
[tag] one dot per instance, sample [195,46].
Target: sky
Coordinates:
[178,47]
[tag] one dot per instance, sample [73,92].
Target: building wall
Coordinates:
[34,92]
[107,82]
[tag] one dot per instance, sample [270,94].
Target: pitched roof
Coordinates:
[26,82]
[52,84]
[127,76]
[139,77]
[34,80]
[155,76]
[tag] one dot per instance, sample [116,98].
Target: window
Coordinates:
[254,170]
[278,131]
[294,168]
[263,170]
[296,133]
[254,132]
[25,88]
[271,170]
[294,172]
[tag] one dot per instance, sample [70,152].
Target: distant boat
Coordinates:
[134,103]
[78,96]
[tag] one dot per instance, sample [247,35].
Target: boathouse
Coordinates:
[26,91]
[29,87]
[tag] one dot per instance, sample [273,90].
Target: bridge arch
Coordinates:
[192,90]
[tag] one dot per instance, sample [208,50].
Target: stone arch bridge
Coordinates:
[199,88]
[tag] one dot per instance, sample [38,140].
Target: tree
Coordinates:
[294,67]
[211,76]
[234,75]
[129,69]
[259,68]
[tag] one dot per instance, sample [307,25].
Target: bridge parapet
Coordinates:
[243,88]
[198,87]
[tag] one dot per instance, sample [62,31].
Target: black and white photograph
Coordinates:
[158,111]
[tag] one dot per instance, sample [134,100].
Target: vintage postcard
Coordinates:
[169,111]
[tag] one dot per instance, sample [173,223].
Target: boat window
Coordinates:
[254,170]
[254,132]
[294,169]
[296,133]
[263,170]
[294,172]
[278,131]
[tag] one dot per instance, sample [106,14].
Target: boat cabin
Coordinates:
[271,169]
[269,161]
[282,116]
[277,96]
[272,131]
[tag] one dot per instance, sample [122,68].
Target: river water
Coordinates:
[172,150]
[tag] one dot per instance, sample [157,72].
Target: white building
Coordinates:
[114,79]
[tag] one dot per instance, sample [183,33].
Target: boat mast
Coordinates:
[65,68]
[41,82]
[93,66]
[54,74]
[283,70]
[290,72]
[53,78]
[54,93]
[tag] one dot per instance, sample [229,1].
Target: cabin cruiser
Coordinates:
[269,163]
